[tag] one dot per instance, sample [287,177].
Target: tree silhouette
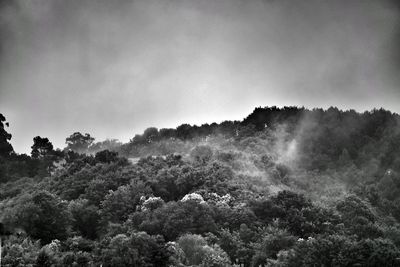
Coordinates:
[41,147]
[5,147]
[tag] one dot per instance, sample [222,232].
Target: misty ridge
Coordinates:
[282,187]
[310,177]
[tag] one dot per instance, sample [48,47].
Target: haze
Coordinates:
[114,68]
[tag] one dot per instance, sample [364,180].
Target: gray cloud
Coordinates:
[113,68]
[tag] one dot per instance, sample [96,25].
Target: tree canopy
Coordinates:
[284,187]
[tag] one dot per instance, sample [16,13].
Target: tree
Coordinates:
[151,134]
[41,147]
[5,147]
[175,218]
[337,250]
[78,142]
[135,249]
[85,217]
[358,217]
[119,204]
[19,251]
[43,216]
[184,131]
[272,241]
[192,247]
[167,133]
[198,253]
[106,156]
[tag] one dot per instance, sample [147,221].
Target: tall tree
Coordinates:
[78,142]
[41,147]
[5,147]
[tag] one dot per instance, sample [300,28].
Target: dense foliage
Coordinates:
[283,187]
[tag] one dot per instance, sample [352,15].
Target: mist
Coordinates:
[115,68]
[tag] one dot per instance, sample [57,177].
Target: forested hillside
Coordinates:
[283,187]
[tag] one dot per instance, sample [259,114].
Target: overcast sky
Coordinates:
[114,68]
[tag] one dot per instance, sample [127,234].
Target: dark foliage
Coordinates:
[284,187]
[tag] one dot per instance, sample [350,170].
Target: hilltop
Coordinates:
[282,187]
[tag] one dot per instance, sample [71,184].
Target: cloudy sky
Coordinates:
[114,68]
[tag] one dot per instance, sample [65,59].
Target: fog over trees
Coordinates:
[199,133]
[283,187]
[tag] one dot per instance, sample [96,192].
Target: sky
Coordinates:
[115,68]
